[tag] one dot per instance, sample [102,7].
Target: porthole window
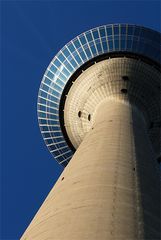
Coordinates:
[124,90]
[79,114]
[159,160]
[125,78]
[151,125]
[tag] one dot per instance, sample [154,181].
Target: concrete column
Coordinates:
[109,189]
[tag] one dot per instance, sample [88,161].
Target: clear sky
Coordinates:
[32,32]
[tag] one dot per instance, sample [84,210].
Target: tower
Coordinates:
[99,99]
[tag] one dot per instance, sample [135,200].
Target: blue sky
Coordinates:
[32,32]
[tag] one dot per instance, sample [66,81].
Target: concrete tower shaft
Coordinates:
[110,188]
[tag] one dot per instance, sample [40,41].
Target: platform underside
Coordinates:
[119,79]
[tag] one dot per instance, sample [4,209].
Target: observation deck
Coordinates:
[98,45]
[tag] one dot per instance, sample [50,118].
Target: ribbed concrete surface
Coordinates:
[104,80]
[110,189]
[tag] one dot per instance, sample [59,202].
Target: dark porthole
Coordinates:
[124,90]
[159,160]
[89,117]
[125,78]
[151,125]
[79,114]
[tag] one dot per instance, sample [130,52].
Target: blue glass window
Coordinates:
[137,31]
[46,135]
[59,139]
[44,87]
[89,37]
[116,44]
[123,29]
[52,110]
[104,46]
[52,105]
[141,46]
[60,82]
[95,34]
[56,94]
[52,122]
[77,43]
[110,38]
[69,154]
[110,45]
[62,145]
[93,49]
[62,77]
[42,101]
[61,57]
[65,72]
[47,81]
[57,134]
[57,63]
[69,67]
[130,30]
[49,141]
[116,30]
[42,108]
[82,40]
[135,45]
[83,56]
[128,44]
[42,121]
[52,98]
[88,52]
[73,62]
[42,115]
[44,128]
[78,59]
[123,40]
[43,94]
[102,32]
[109,31]
[71,47]
[53,69]
[66,52]
[50,75]
[52,147]
[99,48]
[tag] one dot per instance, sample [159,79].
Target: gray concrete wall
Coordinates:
[110,189]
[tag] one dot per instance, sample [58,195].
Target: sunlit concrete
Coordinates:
[109,190]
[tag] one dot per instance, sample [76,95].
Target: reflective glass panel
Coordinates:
[95,34]
[110,45]
[77,43]
[89,37]
[102,32]
[61,57]
[66,52]
[57,63]
[82,40]
[123,29]
[109,31]
[50,75]
[71,47]
[116,30]
[130,30]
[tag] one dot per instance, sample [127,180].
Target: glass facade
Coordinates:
[95,42]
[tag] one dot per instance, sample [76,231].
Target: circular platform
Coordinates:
[93,44]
